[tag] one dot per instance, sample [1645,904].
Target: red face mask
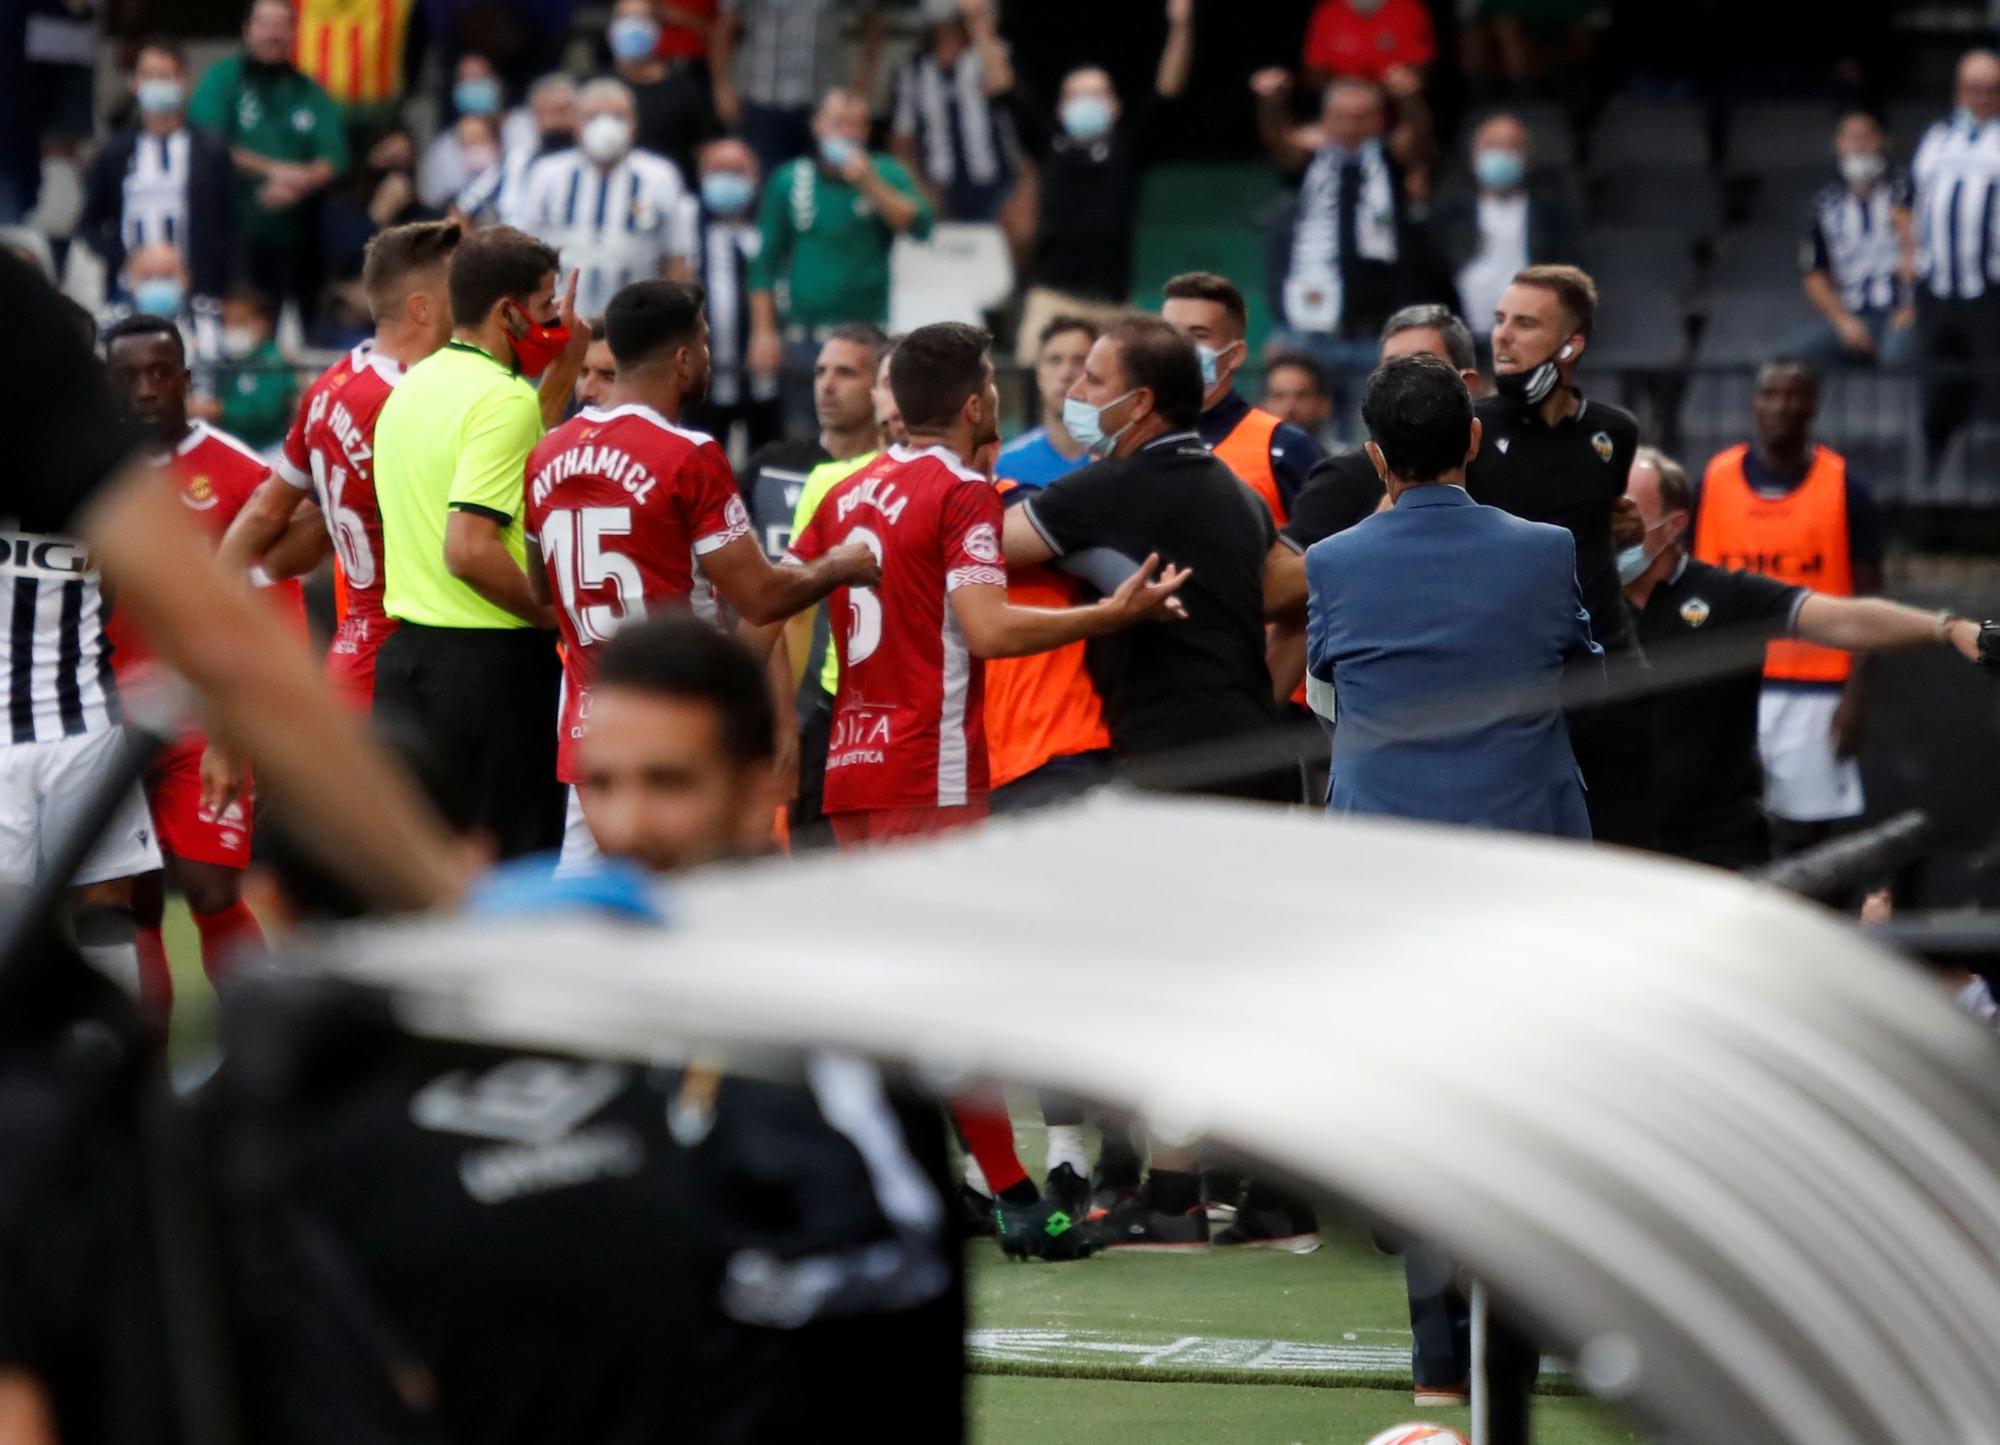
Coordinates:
[537,345]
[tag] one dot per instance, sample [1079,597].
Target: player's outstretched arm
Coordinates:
[993,627]
[761,593]
[259,526]
[356,811]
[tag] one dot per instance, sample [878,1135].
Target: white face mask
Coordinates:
[605,138]
[1862,169]
[239,341]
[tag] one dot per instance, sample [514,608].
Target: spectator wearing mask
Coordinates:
[952,129]
[773,61]
[1295,389]
[458,156]
[156,282]
[671,96]
[159,180]
[1957,204]
[1268,455]
[1089,165]
[828,221]
[1348,253]
[615,213]
[288,140]
[1503,226]
[1858,252]
[1385,42]
[381,193]
[255,387]
[726,242]
[550,126]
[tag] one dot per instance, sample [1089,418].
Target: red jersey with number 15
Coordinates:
[621,504]
[909,725]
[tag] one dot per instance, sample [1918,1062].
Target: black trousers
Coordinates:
[484,702]
[1952,334]
[1613,743]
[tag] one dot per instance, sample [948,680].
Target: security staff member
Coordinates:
[1552,455]
[1788,508]
[471,665]
[1711,782]
[1269,455]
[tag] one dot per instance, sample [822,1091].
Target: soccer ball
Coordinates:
[1418,1434]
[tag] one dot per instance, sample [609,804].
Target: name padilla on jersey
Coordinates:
[875,491]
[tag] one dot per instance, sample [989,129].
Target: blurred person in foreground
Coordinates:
[1787,506]
[1711,776]
[1858,255]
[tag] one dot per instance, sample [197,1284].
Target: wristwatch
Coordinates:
[1989,647]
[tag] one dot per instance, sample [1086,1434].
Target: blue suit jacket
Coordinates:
[1443,628]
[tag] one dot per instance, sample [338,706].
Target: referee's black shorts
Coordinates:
[484,701]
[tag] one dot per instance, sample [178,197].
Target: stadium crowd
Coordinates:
[622,350]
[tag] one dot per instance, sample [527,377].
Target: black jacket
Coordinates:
[1454,228]
[211,246]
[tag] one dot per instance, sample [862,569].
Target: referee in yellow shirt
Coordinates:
[472,663]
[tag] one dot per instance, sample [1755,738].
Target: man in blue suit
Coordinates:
[1438,632]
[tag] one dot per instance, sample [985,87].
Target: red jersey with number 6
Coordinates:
[621,504]
[909,725]
[330,452]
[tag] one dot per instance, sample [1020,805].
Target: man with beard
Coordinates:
[626,508]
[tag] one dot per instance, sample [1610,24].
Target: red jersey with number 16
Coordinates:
[909,725]
[330,452]
[621,503]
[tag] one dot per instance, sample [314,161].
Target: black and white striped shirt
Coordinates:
[52,615]
[1957,176]
[614,227]
[1853,239]
[724,250]
[966,142]
[792,52]
[156,192]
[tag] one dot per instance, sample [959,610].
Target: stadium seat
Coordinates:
[1640,329]
[1747,324]
[1968,475]
[1778,135]
[1714,413]
[1649,135]
[1872,418]
[1785,198]
[1680,200]
[1752,256]
[1196,193]
[1623,258]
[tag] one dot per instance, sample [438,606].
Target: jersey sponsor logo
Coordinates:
[1694,612]
[511,1171]
[1601,444]
[28,554]
[523,1101]
[860,735]
[982,543]
[1783,563]
[199,493]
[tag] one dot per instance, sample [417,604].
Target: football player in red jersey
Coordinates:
[632,514]
[908,752]
[203,821]
[329,453]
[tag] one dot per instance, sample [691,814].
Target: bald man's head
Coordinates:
[1977,90]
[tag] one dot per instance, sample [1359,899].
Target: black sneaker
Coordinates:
[975,1213]
[1042,1230]
[1068,1188]
[1279,1229]
[1139,1227]
[1110,1198]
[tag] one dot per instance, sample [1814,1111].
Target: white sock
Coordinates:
[975,1177]
[1066,1147]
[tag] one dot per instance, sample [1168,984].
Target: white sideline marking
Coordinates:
[1100,1348]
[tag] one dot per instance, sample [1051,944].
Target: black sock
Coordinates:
[1022,1192]
[1174,1192]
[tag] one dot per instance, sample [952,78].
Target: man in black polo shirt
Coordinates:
[1711,782]
[1165,685]
[1551,455]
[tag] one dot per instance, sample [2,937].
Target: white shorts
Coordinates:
[45,789]
[1803,781]
[579,850]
